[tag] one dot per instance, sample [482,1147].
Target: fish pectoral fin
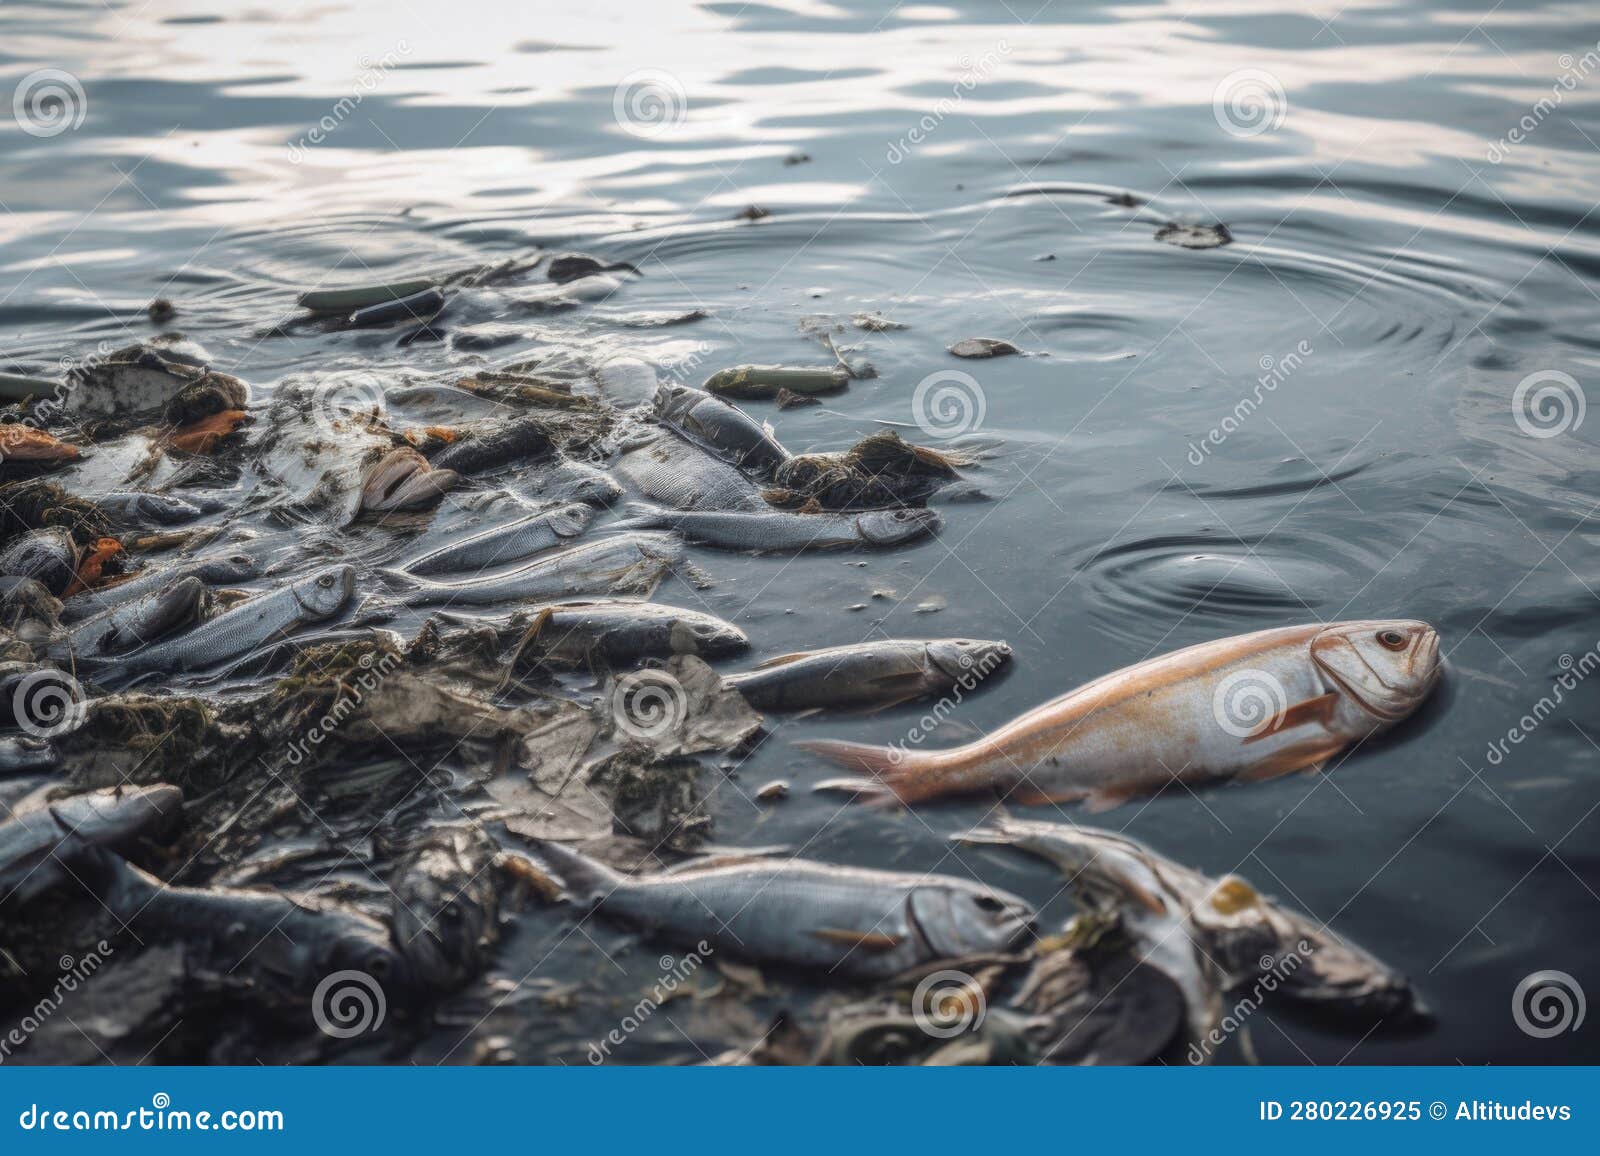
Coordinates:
[1300,757]
[1030,796]
[1109,798]
[1312,710]
[782,659]
[865,940]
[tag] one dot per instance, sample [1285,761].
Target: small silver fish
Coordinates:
[506,543]
[869,675]
[786,530]
[607,565]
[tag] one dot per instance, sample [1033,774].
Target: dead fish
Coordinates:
[565,267]
[39,844]
[675,472]
[1227,927]
[419,306]
[133,624]
[25,754]
[721,427]
[24,443]
[847,921]
[220,570]
[248,626]
[205,435]
[631,561]
[143,377]
[759,382]
[404,480]
[138,508]
[623,630]
[362,296]
[290,942]
[570,481]
[496,444]
[48,556]
[446,911]
[1251,707]
[974,347]
[869,675]
[786,530]
[506,543]
[1194,236]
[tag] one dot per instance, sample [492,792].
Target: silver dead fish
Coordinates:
[625,562]
[785,530]
[508,542]
[869,675]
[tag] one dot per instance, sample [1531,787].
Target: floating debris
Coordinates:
[875,323]
[566,267]
[752,213]
[362,296]
[160,311]
[977,347]
[1194,236]
[758,382]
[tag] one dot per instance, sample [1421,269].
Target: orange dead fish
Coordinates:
[91,564]
[201,437]
[1250,707]
[23,443]
[432,433]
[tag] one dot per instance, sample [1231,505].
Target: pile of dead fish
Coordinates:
[352,677]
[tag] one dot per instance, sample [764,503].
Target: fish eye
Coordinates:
[1391,640]
[325,581]
[989,903]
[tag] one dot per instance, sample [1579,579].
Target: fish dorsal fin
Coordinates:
[1312,710]
[783,659]
[865,940]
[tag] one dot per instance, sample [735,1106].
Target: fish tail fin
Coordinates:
[406,588]
[643,516]
[905,775]
[580,878]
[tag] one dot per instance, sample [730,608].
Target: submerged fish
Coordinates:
[132,624]
[496,444]
[1251,707]
[48,556]
[221,570]
[1224,926]
[869,675]
[293,942]
[446,905]
[629,561]
[668,469]
[720,426]
[845,920]
[24,754]
[145,509]
[620,630]
[506,543]
[248,626]
[38,844]
[771,529]
[568,481]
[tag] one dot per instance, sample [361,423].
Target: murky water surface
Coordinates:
[1317,421]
